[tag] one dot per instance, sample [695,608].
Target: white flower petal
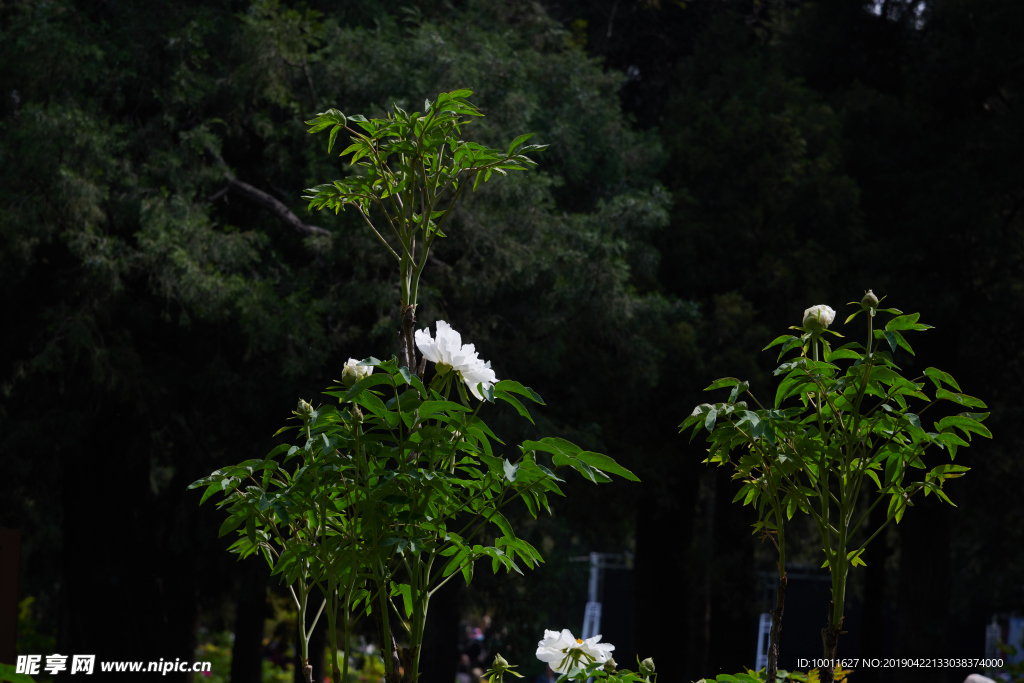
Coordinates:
[446,347]
[427,346]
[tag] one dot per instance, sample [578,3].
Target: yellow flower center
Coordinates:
[579,641]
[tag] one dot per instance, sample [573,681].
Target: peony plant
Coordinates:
[392,485]
[843,435]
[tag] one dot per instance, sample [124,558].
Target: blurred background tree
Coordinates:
[714,169]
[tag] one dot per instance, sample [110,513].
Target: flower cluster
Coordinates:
[447,351]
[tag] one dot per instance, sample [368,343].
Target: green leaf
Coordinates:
[938,377]
[779,340]
[948,471]
[230,524]
[212,489]
[606,464]
[509,398]
[518,141]
[502,523]
[891,338]
[456,562]
[737,390]
[365,383]
[897,506]
[554,445]
[793,383]
[906,322]
[724,382]
[843,354]
[405,591]
[962,399]
[893,467]
[334,134]
[517,388]
[965,424]
[428,408]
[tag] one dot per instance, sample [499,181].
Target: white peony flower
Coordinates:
[562,652]
[448,352]
[818,317]
[353,372]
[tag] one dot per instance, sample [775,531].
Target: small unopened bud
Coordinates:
[304,410]
[609,666]
[869,300]
[500,664]
[647,667]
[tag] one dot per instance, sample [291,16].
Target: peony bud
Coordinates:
[609,666]
[500,663]
[647,667]
[817,318]
[869,300]
[304,410]
[353,372]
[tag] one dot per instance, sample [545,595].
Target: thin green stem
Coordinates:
[309,633]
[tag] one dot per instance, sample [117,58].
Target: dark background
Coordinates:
[715,168]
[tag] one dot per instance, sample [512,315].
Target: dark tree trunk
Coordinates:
[406,345]
[829,642]
[776,632]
